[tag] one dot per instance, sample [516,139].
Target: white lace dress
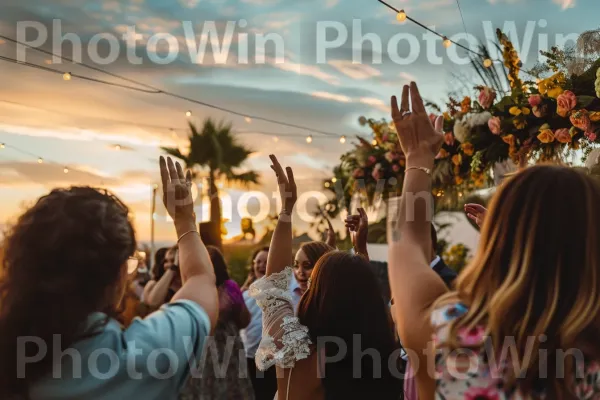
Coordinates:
[284,339]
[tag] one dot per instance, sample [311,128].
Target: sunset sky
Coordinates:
[77,124]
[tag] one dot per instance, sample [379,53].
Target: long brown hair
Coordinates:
[315,250]
[344,300]
[537,272]
[64,259]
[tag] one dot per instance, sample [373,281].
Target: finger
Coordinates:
[405,106]
[172,170]
[415,99]
[188,177]
[164,173]
[363,214]
[472,217]
[395,111]
[329,223]
[439,124]
[291,180]
[180,174]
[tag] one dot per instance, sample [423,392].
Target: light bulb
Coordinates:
[188,113]
[343,139]
[66,170]
[309,139]
[67,76]
[447,42]
[327,184]
[401,16]
[276,139]
[40,160]
[487,63]
[118,147]
[248,120]
[374,142]
[334,179]
[2,145]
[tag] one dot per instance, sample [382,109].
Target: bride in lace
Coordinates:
[326,352]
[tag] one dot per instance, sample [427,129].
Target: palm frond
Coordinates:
[175,152]
[244,178]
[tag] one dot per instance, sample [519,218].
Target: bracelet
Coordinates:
[181,237]
[426,170]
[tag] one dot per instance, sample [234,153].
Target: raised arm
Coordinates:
[280,253]
[331,239]
[358,228]
[157,293]
[415,286]
[197,273]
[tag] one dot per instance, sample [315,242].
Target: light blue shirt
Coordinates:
[296,295]
[151,359]
[252,335]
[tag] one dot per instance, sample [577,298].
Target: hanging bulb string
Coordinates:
[152,89]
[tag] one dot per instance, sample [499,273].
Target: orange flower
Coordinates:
[457,159]
[546,135]
[509,140]
[468,149]
[458,180]
[520,123]
[442,154]
[595,116]
[566,102]
[465,105]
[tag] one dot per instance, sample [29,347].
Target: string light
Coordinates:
[67,76]
[487,63]
[40,160]
[117,147]
[327,184]
[401,16]
[447,42]
[343,139]
[2,145]
[309,139]
[66,170]
[248,120]
[275,139]
[334,179]
[374,142]
[188,113]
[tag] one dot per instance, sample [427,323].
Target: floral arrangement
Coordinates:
[456,257]
[548,118]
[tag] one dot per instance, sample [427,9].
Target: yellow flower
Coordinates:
[526,111]
[465,105]
[516,111]
[594,116]
[546,135]
[555,92]
[468,149]
[543,87]
[456,159]
[520,123]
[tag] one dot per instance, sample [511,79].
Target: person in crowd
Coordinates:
[263,382]
[533,283]
[221,375]
[64,275]
[343,301]
[157,293]
[305,260]
[141,277]
[158,267]
[448,275]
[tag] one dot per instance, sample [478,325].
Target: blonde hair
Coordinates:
[536,272]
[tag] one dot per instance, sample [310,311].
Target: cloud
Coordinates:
[331,3]
[377,103]
[565,4]
[189,3]
[51,175]
[332,96]
[304,69]
[354,71]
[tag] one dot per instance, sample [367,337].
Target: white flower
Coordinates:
[478,119]
[461,130]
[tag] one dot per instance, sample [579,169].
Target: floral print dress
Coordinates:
[469,374]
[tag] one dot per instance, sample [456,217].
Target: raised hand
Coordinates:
[358,226]
[177,195]
[418,137]
[287,186]
[476,213]
[330,239]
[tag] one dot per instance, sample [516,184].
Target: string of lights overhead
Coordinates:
[68,76]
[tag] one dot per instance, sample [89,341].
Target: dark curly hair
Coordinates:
[64,259]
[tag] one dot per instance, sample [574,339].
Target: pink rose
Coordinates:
[566,102]
[535,100]
[487,97]
[540,111]
[562,135]
[395,168]
[591,136]
[385,138]
[471,337]
[358,172]
[495,125]
[372,160]
[581,120]
[449,138]
[481,393]
[377,174]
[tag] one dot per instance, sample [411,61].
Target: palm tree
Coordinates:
[215,147]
